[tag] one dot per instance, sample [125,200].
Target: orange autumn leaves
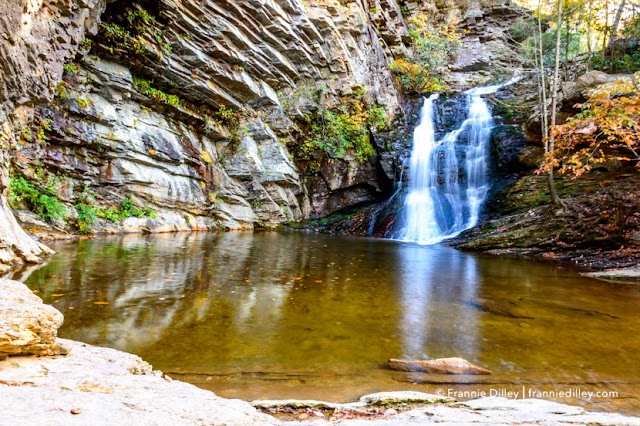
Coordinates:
[607,128]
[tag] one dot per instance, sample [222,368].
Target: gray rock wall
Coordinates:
[36,39]
[248,76]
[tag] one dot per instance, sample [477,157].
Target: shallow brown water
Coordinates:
[272,315]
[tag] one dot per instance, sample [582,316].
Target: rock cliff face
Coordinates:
[237,81]
[198,110]
[37,38]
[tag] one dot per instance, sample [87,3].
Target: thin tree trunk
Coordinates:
[616,23]
[555,200]
[605,32]
[543,83]
[589,47]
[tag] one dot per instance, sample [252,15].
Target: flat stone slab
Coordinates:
[630,275]
[100,386]
[489,411]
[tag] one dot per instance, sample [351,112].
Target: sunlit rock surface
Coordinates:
[100,386]
[27,326]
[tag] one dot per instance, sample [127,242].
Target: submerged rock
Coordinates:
[439,366]
[27,325]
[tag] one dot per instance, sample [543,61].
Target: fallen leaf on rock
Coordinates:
[303,416]
[76,411]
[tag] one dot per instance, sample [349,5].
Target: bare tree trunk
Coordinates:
[605,32]
[543,83]
[616,23]
[589,47]
[555,200]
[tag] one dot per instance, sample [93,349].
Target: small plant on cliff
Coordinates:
[86,211]
[70,68]
[338,128]
[144,86]
[127,208]
[433,48]
[37,132]
[42,201]
[131,31]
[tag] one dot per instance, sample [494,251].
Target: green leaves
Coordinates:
[346,126]
[433,48]
[44,202]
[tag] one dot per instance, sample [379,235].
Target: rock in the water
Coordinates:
[27,325]
[439,366]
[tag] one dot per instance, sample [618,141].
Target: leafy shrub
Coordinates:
[144,86]
[346,126]
[128,32]
[607,128]
[126,209]
[570,46]
[433,48]
[44,202]
[86,217]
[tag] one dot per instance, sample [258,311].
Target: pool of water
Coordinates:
[284,315]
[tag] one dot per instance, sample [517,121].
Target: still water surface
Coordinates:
[283,315]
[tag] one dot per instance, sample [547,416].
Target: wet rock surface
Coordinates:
[596,229]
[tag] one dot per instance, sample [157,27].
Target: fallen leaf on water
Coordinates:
[318,281]
[297,278]
[57,295]
[100,303]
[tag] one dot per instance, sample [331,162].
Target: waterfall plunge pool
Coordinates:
[296,315]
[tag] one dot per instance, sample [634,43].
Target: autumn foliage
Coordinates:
[607,128]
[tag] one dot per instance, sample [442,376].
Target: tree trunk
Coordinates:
[555,200]
[589,47]
[15,245]
[616,23]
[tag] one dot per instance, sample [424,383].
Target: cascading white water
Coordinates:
[448,181]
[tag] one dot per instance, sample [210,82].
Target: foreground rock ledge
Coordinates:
[99,386]
[27,325]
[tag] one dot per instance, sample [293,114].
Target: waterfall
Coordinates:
[448,180]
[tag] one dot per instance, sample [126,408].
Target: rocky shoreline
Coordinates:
[101,386]
[76,383]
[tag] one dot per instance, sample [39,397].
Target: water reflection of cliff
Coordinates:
[242,300]
[259,315]
[237,300]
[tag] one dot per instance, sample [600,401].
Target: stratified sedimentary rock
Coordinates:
[27,325]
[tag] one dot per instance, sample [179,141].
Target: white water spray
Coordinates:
[447,188]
